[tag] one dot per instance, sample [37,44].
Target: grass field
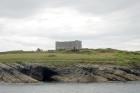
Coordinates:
[99,56]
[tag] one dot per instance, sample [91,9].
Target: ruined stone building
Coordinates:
[69,45]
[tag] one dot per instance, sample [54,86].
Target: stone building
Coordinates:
[69,45]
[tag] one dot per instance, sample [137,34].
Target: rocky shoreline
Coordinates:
[83,73]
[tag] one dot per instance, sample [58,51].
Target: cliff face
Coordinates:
[33,73]
[9,73]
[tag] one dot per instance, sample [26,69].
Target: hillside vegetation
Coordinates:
[63,57]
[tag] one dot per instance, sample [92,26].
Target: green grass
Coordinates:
[100,56]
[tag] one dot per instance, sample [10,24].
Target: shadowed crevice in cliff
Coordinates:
[40,73]
[48,74]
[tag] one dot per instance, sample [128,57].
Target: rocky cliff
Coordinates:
[35,72]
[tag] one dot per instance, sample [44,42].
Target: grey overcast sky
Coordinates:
[29,24]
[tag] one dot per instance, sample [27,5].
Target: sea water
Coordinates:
[129,87]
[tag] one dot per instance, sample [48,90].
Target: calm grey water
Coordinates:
[130,87]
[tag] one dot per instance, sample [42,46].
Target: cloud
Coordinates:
[31,24]
[23,8]
[100,7]
[20,8]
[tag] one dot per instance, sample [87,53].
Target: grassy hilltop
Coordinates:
[95,56]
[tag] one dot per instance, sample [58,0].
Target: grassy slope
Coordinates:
[65,58]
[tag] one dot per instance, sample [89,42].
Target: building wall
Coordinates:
[69,45]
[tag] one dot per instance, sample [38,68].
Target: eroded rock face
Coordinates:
[33,73]
[9,74]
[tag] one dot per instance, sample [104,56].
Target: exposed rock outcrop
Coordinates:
[35,72]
